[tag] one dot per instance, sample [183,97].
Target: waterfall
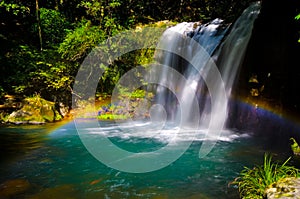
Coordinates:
[192,50]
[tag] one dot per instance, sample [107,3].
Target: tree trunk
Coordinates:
[39,23]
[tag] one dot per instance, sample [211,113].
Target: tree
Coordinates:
[79,42]
[54,27]
[39,23]
[68,30]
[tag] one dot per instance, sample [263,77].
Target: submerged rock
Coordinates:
[63,191]
[11,188]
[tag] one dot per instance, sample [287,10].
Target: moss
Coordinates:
[35,109]
[57,116]
[112,117]
[283,188]
[3,116]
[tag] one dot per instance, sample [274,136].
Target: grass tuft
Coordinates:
[252,183]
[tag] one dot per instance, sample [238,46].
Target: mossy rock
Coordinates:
[284,189]
[34,110]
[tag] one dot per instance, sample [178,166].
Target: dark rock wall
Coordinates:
[273,58]
[273,52]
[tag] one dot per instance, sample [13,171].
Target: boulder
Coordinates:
[285,188]
[35,110]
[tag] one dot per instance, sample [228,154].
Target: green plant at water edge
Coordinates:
[112,117]
[295,147]
[3,116]
[252,183]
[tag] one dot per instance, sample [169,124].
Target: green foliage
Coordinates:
[104,14]
[128,105]
[109,116]
[111,26]
[3,116]
[14,8]
[94,8]
[18,63]
[52,77]
[79,42]
[138,94]
[109,78]
[25,70]
[295,147]
[54,26]
[28,71]
[108,51]
[252,183]
[124,93]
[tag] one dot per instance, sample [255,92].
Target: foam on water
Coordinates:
[148,130]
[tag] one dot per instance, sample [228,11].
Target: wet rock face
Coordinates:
[273,55]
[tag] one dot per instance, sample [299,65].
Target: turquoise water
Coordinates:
[56,164]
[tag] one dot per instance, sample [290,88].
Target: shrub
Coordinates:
[252,183]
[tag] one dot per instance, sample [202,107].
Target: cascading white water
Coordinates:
[233,49]
[180,50]
[225,45]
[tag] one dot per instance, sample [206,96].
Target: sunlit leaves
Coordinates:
[14,8]
[78,43]
[252,183]
[53,25]
[93,8]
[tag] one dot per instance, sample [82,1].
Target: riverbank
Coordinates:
[37,111]
[106,109]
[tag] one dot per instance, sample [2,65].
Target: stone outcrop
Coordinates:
[272,56]
[285,188]
[35,110]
